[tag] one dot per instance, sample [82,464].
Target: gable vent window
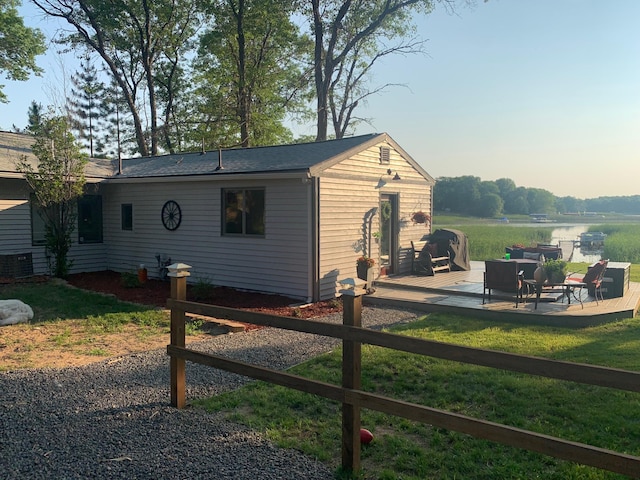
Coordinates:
[385,154]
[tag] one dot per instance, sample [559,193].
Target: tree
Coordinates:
[56,183]
[505,186]
[143,44]
[19,45]
[490,205]
[346,35]
[517,201]
[248,73]
[34,115]
[457,194]
[541,201]
[86,106]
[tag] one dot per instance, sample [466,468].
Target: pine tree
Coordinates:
[35,117]
[87,106]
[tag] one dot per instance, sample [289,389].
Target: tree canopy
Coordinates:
[469,195]
[19,45]
[57,182]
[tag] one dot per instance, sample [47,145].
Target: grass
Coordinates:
[77,322]
[489,241]
[408,450]
[52,302]
[622,243]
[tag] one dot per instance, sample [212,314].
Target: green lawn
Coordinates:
[407,450]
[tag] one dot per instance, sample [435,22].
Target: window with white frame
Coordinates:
[243,211]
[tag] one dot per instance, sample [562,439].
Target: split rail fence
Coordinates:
[353,398]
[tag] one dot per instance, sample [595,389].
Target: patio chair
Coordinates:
[503,276]
[593,278]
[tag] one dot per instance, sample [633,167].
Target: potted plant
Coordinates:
[420,217]
[555,270]
[363,264]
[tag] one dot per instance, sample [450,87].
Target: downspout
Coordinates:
[315,238]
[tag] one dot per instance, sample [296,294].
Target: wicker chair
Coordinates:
[504,276]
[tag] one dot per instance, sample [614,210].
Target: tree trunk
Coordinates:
[321,86]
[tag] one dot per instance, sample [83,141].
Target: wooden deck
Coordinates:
[461,293]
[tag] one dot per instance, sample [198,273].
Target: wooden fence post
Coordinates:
[178,272]
[351,379]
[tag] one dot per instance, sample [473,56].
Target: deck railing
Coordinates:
[353,398]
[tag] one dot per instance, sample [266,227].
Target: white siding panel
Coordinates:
[276,263]
[348,192]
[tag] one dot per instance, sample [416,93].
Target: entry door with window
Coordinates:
[389,232]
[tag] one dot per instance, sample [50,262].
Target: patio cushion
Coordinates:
[593,274]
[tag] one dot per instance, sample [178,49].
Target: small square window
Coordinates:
[126,216]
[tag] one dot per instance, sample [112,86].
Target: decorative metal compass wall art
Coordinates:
[171,215]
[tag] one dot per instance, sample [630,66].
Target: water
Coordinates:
[570,233]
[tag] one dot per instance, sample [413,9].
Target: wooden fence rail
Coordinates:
[353,399]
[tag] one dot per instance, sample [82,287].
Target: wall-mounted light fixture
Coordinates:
[396,177]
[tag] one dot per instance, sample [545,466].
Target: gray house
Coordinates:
[289,219]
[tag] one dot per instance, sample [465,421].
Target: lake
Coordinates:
[571,233]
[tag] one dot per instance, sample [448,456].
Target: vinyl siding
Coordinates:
[276,263]
[351,189]
[15,219]
[15,233]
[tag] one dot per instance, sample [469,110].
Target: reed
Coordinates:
[489,241]
[622,243]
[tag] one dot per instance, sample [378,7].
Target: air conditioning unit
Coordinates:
[16,265]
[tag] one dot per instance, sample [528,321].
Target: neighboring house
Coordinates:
[288,219]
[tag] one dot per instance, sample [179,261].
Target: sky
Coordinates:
[545,92]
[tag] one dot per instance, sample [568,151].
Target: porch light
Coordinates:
[352,286]
[178,270]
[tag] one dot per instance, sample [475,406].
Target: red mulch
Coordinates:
[156,292]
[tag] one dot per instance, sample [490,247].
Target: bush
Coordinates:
[556,270]
[202,289]
[130,280]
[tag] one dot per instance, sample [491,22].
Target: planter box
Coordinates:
[616,280]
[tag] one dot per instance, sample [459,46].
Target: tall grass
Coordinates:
[622,243]
[489,241]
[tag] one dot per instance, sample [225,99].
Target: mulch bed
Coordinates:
[155,292]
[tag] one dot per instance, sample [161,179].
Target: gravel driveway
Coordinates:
[112,419]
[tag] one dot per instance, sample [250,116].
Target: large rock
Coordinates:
[14,311]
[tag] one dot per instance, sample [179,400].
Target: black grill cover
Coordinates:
[455,242]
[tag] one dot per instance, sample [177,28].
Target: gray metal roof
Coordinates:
[279,158]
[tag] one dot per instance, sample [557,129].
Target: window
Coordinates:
[38,225]
[243,211]
[126,216]
[90,219]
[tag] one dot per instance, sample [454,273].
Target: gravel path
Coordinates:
[112,420]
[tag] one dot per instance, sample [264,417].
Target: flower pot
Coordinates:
[142,274]
[362,269]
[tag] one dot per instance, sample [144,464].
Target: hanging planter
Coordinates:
[420,217]
[363,264]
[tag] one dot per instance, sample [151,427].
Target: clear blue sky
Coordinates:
[544,92]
